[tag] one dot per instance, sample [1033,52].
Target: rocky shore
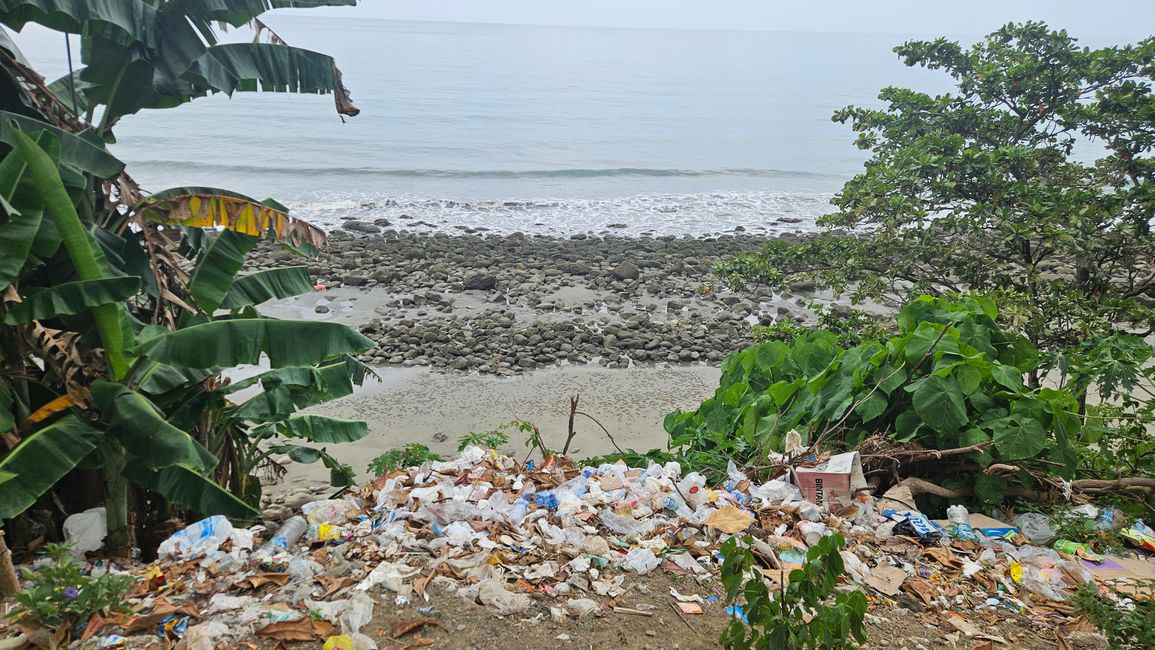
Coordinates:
[507,304]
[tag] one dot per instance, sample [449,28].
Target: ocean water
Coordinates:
[537,129]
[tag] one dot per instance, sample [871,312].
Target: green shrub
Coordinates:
[59,592]
[775,619]
[1125,626]
[951,378]
[486,439]
[410,455]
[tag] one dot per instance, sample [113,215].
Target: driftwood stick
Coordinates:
[573,404]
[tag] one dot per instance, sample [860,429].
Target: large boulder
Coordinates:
[479,282]
[626,271]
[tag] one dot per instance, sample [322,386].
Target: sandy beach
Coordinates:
[474,331]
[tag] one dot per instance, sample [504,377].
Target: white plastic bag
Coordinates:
[492,593]
[641,560]
[86,531]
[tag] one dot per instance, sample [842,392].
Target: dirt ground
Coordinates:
[463,624]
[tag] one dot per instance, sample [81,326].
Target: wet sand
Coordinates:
[436,408]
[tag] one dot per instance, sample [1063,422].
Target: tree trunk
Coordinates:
[116,506]
[9,583]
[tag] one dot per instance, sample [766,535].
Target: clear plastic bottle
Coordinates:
[286,536]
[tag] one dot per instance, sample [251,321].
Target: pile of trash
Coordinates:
[557,541]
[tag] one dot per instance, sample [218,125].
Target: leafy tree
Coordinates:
[994,188]
[121,309]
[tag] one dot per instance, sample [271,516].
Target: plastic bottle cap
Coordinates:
[694,490]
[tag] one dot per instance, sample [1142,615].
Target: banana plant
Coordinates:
[158,378]
[122,311]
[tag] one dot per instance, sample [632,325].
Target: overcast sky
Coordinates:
[1114,19]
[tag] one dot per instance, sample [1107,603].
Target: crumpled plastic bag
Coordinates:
[628,527]
[582,607]
[350,615]
[390,574]
[641,560]
[205,636]
[86,531]
[1036,527]
[492,593]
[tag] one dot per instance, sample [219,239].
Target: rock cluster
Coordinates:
[505,304]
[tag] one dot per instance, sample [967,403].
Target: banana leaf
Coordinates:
[42,459]
[129,19]
[18,228]
[240,12]
[331,380]
[144,432]
[71,298]
[271,67]
[285,390]
[7,419]
[256,288]
[218,265]
[319,428]
[227,343]
[86,152]
[208,207]
[188,488]
[340,474]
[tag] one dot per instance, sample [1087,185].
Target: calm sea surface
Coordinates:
[546,129]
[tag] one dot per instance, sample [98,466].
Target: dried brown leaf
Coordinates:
[298,630]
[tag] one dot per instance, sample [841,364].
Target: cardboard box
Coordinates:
[832,484]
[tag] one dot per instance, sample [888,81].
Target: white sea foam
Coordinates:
[642,214]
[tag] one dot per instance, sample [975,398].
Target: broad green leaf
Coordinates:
[889,378]
[990,489]
[186,487]
[968,378]
[227,343]
[72,298]
[146,435]
[872,407]
[319,428]
[271,68]
[1008,376]
[906,426]
[340,475]
[1017,437]
[43,458]
[217,266]
[84,255]
[85,152]
[259,287]
[18,226]
[128,18]
[940,403]
[7,419]
[782,391]
[921,341]
[239,13]
[975,436]
[298,453]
